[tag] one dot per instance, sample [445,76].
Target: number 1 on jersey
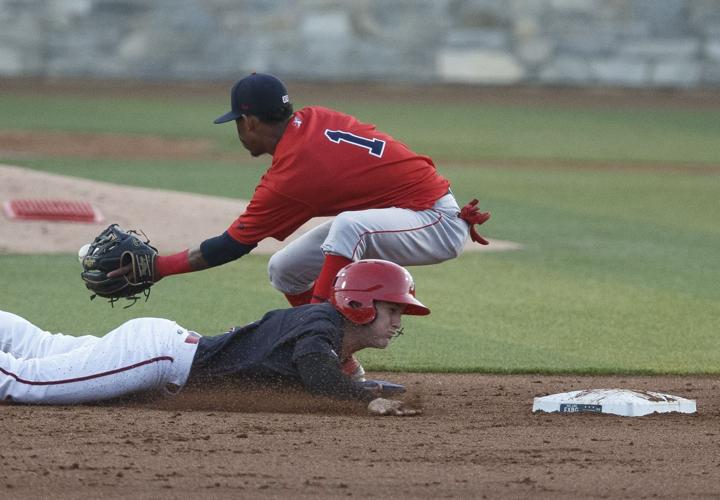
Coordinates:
[374,146]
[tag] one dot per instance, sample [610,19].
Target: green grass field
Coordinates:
[619,271]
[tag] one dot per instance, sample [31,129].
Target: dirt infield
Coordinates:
[477,439]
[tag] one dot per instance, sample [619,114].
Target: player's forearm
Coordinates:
[321,375]
[211,252]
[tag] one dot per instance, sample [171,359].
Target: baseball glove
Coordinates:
[115,248]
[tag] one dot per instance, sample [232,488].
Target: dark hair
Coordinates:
[279,115]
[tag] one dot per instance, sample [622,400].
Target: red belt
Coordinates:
[192,338]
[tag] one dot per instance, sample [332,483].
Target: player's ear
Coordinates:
[252,122]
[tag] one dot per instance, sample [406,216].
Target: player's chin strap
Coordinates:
[471,214]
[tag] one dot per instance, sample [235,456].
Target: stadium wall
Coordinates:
[624,43]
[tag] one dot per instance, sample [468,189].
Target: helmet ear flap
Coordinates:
[359,313]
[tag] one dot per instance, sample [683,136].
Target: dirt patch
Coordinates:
[19,143]
[408,92]
[477,438]
[173,220]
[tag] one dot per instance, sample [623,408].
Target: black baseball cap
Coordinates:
[255,94]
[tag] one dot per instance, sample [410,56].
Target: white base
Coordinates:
[624,402]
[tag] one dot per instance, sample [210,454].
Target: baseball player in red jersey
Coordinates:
[389,202]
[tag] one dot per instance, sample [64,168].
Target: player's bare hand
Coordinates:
[125,270]
[382,406]
[120,271]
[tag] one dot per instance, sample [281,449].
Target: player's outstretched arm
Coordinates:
[212,252]
[321,375]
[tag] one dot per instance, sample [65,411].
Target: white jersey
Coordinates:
[147,354]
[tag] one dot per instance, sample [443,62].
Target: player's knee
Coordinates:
[275,270]
[281,275]
[289,276]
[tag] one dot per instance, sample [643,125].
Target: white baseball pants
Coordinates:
[142,355]
[405,237]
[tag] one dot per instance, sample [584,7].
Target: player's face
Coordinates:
[247,136]
[388,321]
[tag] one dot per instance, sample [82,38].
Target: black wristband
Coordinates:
[223,249]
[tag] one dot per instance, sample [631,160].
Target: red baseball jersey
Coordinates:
[328,162]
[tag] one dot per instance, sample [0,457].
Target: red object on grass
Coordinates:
[54,210]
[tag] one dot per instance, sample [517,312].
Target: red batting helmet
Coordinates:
[358,285]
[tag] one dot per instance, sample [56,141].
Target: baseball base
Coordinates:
[623,402]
